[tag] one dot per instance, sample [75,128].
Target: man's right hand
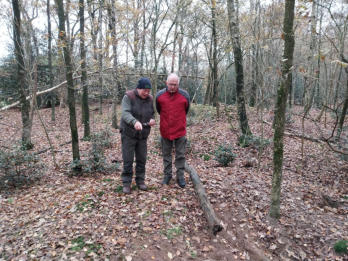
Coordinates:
[138,126]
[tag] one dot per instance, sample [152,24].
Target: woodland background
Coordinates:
[70,64]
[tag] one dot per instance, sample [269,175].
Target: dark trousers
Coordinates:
[131,147]
[167,147]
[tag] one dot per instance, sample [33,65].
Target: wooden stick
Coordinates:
[213,222]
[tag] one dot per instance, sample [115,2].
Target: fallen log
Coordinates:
[213,222]
[75,78]
[37,94]
[48,90]
[47,149]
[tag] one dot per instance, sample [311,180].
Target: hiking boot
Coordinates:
[166,180]
[126,189]
[181,182]
[142,187]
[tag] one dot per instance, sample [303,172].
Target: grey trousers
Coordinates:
[167,147]
[131,147]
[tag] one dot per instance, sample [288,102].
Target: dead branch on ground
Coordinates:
[213,222]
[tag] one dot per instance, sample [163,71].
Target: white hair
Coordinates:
[173,75]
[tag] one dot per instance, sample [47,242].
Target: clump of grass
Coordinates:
[79,244]
[85,204]
[173,232]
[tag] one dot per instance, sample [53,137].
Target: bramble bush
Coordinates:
[96,160]
[18,167]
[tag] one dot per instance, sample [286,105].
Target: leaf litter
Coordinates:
[87,217]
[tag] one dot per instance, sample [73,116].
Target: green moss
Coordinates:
[341,247]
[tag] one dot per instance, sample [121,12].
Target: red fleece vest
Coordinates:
[172,109]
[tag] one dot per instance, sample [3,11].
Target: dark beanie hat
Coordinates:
[144,83]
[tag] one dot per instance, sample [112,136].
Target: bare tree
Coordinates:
[100,56]
[49,32]
[214,72]
[22,84]
[238,57]
[158,46]
[279,117]
[112,28]
[85,106]
[70,85]
[256,55]
[345,103]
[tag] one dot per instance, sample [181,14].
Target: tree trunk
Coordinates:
[49,32]
[257,77]
[279,117]
[318,98]
[337,87]
[136,41]
[84,105]
[213,222]
[208,90]
[313,72]
[112,28]
[142,52]
[70,85]
[215,62]
[21,83]
[100,58]
[344,112]
[254,75]
[235,39]
[174,48]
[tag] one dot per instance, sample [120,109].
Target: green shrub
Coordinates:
[224,155]
[200,113]
[96,160]
[18,167]
[341,247]
[102,138]
[250,140]
[76,167]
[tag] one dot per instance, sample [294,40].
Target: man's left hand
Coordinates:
[152,122]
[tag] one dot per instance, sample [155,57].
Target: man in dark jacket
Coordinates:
[173,103]
[136,121]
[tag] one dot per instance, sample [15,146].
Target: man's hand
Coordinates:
[152,122]
[138,126]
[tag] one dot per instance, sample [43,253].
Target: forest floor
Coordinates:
[66,217]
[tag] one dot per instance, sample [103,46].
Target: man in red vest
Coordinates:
[173,103]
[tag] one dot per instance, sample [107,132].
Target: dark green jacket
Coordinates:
[136,109]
